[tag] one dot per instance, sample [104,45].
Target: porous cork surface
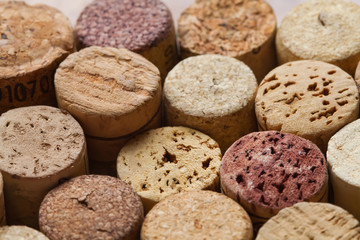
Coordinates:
[20,233]
[323,30]
[197,215]
[39,141]
[91,207]
[168,160]
[267,171]
[131,24]
[311,99]
[311,221]
[111,92]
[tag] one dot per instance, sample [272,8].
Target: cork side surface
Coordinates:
[20,233]
[357,76]
[91,207]
[197,215]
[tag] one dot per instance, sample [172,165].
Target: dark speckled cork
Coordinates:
[267,171]
[91,207]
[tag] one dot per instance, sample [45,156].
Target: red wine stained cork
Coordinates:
[113,93]
[40,147]
[33,41]
[197,215]
[145,27]
[267,171]
[20,233]
[241,29]
[323,30]
[92,207]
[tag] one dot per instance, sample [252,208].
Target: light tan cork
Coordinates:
[20,233]
[241,29]
[311,99]
[324,30]
[41,146]
[305,221]
[92,207]
[197,215]
[33,40]
[168,160]
[214,94]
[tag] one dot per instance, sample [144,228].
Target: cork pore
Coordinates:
[20,232]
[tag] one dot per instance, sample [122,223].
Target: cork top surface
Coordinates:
[210,85]
[20,233]
[324,30]
[311,221]
[197,215]
[91,207]
[344,153]
[135,25]
[38,141]
[31,37]
[226,27]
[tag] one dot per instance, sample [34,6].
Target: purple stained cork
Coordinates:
[270,170]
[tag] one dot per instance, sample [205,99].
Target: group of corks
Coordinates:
[236,129]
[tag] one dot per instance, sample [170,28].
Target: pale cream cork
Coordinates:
[20,233]
[197,215]
[214,94]
[324,30]
[33,40]
[41,146]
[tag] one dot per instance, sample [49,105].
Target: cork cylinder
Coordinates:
[145,27]
[113,93]
[20,233]
[33,40]
[92,207]
[40,147]
[241,29]
[214,94]
[323,30]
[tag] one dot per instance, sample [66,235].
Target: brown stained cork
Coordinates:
[33,40]
[168,160]
[41,146]
[2,203]
[91,207]
[305,221]
[20,233]
[311,99]
[244,29]
[197,215]
[267,171]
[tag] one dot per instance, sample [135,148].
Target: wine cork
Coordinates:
[357,76]
[92,207]
[323,30]
[311,221]
[343,158]
[20,233]
[241,29]
[311,99]
[2,204]
[113,93]
[145,27]
[197,215]
[167,160]
[214,94]
[41,146]
[269,170]
[33,40]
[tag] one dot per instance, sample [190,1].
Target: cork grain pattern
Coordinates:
[319,97]
[308,221]
[168,160]
[92,207]
[197,215]
[20,233]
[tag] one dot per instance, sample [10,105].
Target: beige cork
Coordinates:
[323,30]
[113,93]
[33,41]
[197,215]
[244,29]
[41,146]
[168,160]
[92,207]
[214,94]
[311,99]
[20,233]
[305,221]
